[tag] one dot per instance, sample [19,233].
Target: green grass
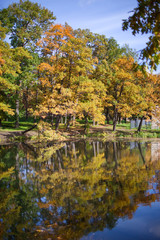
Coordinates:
[154,130]
[10,126]
[124,125]
[147,134]
[127,126]
[123,129]
[81,121]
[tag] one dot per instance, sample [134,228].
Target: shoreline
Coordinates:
[101,133]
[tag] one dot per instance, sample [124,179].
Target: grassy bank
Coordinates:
[76,131]
[10,126]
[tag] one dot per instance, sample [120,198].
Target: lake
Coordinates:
[87,190]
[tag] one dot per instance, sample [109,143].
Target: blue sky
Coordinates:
[100,16]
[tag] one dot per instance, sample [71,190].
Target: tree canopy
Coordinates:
[51,71]
[25,22]
[146,20]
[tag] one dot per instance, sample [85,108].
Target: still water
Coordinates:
[80,190]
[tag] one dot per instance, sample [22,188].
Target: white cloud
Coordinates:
[83,3]
[104,24]
[109,19]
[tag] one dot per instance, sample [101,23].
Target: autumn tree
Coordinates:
[145,20]
[10,69]
[105,51]
[25,23]
[122,89]
[66,60]
[55,93]
[129,52]
[29,85]
[90,95]
[147,100]
[103,48]
[4,83]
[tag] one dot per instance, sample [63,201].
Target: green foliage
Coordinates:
[25,22]
[146,135]
[129,52]
[9,70]
[124,125]
[10,125]
[145,20]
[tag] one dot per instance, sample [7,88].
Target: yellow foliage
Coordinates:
[6,108]
[46,133]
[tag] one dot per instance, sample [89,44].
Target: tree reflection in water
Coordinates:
[69,190]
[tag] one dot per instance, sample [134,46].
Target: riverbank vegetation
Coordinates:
[55,74]
[43,132]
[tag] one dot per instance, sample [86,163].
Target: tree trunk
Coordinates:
[86,124]
[25,97]
[115,154]
[52,118]
[65,121]
[29,129]
[65,148]
[74,150]
[17,110]
[73,120]
[114,125]
[0,122]
[107,115]
[57,121]
[62,119]
[97,148]
[17,169]
[106,150]
[26,110]
[94,149]
[140,124]
[85,151]
[36,103]
[140,150]
[114,119]
[119,118]
[60,160]
[68,121]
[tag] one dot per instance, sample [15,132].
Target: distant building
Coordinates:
[134,123]
[154,122]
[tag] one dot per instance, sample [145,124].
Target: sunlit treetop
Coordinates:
[25,22]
